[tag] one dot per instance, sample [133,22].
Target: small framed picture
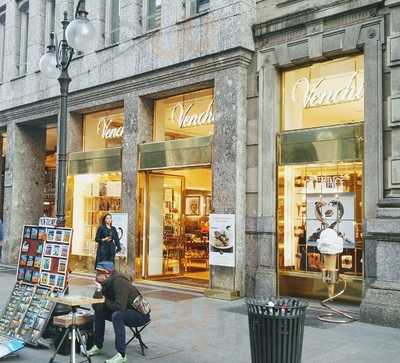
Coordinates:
[42,234]
[39,248]
[59,235]
[27,232]
[48,249]
[192,206]
[62,266]
[35,277]
[52,279]
[25,246]
[46,263]
[38,261]
[45,278]
[56,250]
[21,273]
[64,251]
[28,275]
[208,205]
[23,260]
[34,233]
[30,261]
[60,281]
[51,234]
[66,236]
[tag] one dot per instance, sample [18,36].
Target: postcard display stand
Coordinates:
[42,272]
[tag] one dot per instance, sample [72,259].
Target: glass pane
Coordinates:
[103,129]
[184,116]
[93,195]
[326,93]
[153,14]
[115,20]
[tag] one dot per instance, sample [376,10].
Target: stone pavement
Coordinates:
[189,328]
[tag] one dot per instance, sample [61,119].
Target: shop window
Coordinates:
[184,116]
[103,129]
[323,94]
[320,175]
[153,14]
[94,195]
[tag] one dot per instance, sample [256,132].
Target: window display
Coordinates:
[320,175]
[93,196]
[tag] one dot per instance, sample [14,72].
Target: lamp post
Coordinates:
[77,35]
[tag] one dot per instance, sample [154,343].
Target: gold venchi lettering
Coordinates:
[181,115]
[321,94]
[105,130]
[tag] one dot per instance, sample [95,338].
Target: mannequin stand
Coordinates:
[335,315]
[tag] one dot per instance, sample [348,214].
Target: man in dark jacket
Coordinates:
[119,294]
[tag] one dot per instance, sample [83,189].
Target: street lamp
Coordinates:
[77,35]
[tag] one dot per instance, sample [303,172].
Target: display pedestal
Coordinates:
[222,294]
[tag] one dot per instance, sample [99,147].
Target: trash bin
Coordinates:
[276,327]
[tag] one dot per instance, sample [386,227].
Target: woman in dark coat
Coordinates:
[107,241]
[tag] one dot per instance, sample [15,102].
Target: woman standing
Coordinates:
[107,240]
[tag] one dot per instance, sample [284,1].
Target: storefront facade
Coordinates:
[324,141]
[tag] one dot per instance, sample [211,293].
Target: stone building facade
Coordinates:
[243,54]
[306,36]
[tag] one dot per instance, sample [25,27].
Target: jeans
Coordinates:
[120,319]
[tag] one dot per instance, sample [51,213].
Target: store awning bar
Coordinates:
[194,151]
[92,162]
[322,145]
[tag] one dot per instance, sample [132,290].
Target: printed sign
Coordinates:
[120,222]
[222,240]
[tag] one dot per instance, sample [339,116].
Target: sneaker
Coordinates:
[94,351]
[118,358]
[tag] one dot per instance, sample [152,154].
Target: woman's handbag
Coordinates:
[141,305]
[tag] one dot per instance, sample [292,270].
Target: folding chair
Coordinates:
[136,330]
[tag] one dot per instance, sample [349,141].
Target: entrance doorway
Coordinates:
[174,208]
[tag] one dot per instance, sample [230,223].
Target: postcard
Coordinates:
[46,263]
[60,281]
[25,246]
[64,251]
[34,233]
[56,250]
[39,248]
[51,234]
[27,232]
[45,278]
[62,266]
[52,280]
[48,249]
[59,235]
[42,235]
[66,235]
[30,261]
[23,260]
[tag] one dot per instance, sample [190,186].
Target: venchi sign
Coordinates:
[181,115]
[106,131]
[321,93]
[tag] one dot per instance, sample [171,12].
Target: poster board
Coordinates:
[44,256]
[331,210]
[42,271]
[120,222]
[222,240]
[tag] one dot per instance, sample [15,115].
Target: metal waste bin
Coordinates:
[276,327]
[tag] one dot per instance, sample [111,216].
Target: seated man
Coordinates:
[119,294]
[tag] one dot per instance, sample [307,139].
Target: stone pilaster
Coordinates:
[229,168]
[24,184]
[137,129]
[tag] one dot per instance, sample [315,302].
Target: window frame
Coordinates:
[22,38]
[189,4]
[3,20]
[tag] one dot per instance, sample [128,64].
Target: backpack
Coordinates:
[141,305]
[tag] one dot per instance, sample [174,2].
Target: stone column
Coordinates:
[137,130]
[24,184]
[229,170]
[381,303]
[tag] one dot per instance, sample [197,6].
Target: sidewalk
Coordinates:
[189,328]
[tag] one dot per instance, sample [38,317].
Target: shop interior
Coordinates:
[173,226]
[50,172]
